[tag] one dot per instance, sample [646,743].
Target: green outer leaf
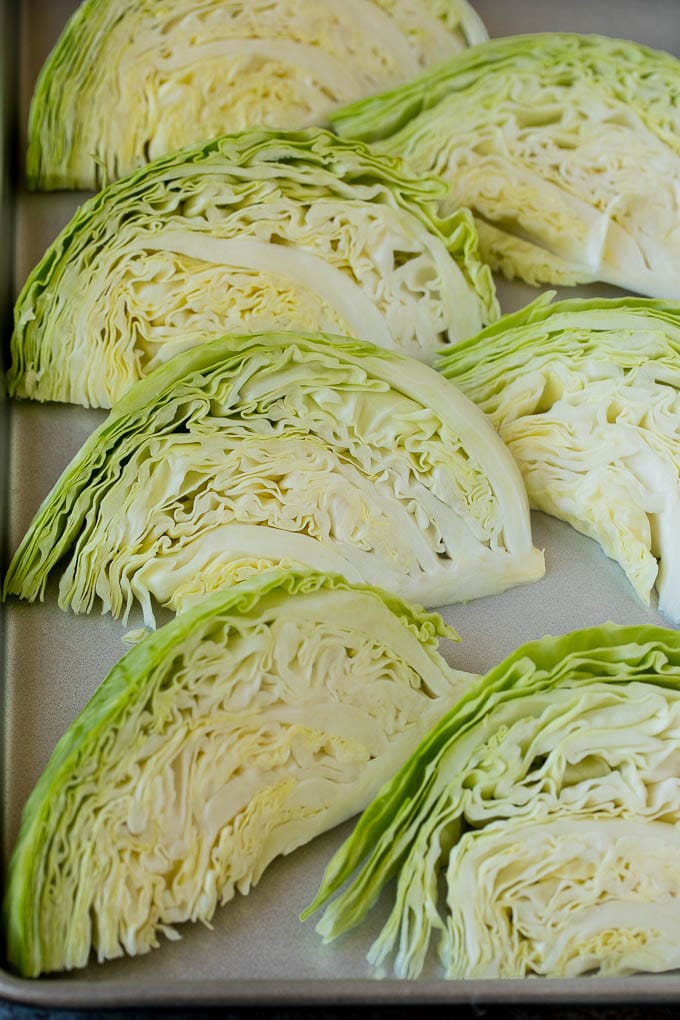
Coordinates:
[543,309]
[168,399]
[506,346]
[254,165]
[565,147]
[126,683]
[387,829]
[621,355]
[80,72]
[379,117]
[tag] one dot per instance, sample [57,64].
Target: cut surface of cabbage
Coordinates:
[566,148]
[250,232]
[130,81]
[282,448]
[234,734]
[536,829]
[585,395]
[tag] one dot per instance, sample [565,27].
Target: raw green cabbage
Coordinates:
[250,232]
[536,830]
[585,393]
[237,732]
[130,80]
[566,148]
[276,449]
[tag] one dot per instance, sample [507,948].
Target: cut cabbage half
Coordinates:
[536,830]
[232,735]
[566,148]
[130,80]
[586,396]
[250,232]
[283,448]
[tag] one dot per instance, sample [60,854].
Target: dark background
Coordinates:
[497,1012]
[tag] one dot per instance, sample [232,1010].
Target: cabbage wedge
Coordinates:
[279,449]
[565,147]
[131,80]
[585,393]
[234,734]
[536,830]
[250,232]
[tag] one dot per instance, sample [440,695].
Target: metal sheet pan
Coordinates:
[258,952]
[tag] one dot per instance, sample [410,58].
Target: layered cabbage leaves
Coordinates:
[234,734]
[278,449]
[250,232]
[536,830]
[566,148]
[585,393]
[130,80]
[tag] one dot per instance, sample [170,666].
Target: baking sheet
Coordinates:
[258,951]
